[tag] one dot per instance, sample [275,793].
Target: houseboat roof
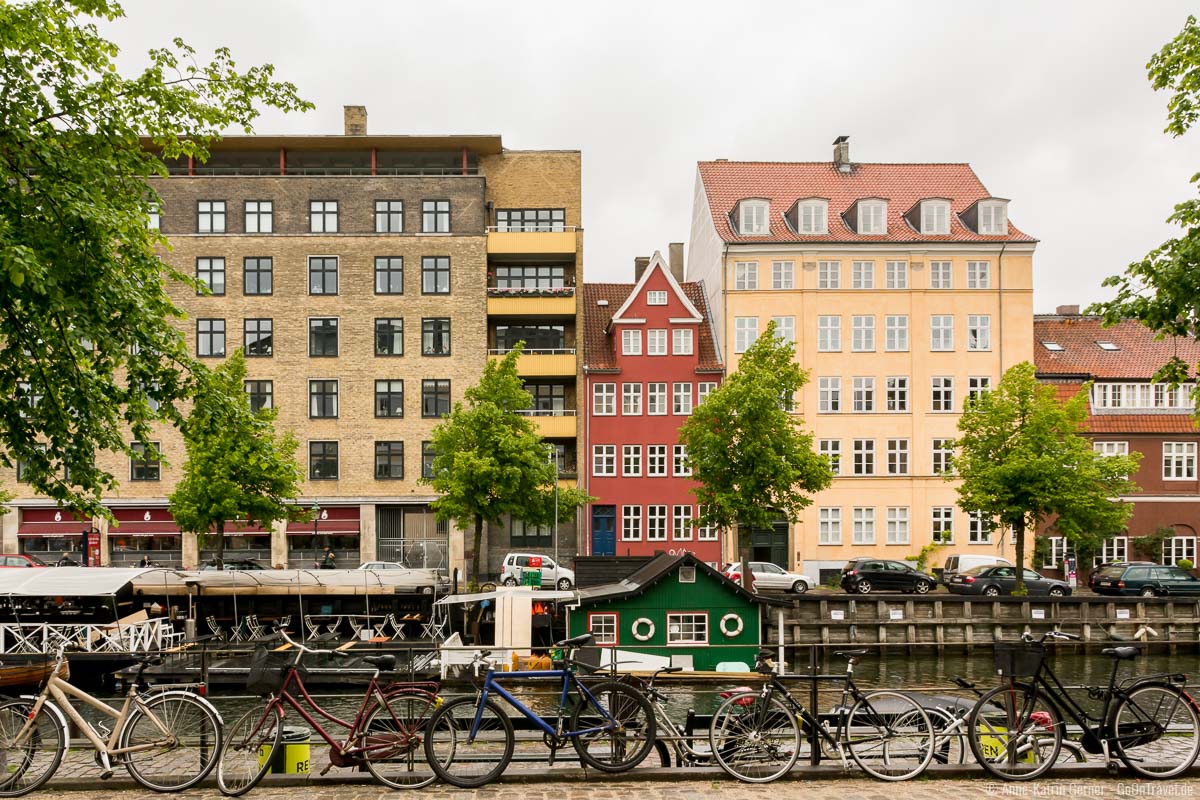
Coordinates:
[68,581]
[658,568]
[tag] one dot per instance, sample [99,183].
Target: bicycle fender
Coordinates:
[150,695]
[57,714]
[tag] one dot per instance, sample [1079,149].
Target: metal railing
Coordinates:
[201,170]
[532,227]
[535,351]
[546,412]
[110,637]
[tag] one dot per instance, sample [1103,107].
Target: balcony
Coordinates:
[556,302]
[556,423]
[542,363]
[557,240]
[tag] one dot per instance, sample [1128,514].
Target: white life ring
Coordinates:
[731,630]
[649,625]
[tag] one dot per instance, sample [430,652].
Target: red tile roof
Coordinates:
[902,185]
[1139,357]
[598,347]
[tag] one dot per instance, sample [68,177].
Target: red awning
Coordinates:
[157,521]
[51,522]
[338,520]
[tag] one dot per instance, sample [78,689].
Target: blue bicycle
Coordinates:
[470,741]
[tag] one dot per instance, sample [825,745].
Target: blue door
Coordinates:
[604,530]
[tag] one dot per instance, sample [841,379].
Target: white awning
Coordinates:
[536,594]
[67,581]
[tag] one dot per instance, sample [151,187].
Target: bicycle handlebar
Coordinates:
[302,647]
[1029,639]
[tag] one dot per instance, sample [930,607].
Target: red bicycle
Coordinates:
[385,736]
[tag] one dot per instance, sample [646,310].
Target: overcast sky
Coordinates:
[1047,100]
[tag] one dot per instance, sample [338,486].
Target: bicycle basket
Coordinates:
[268,668]
[1018,659]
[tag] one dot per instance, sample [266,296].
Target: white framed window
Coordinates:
[897,456]
[941,393]
[829,525]
[1114,549]
[993,218]
[1058,551]
[656,342]
[979,332]
[829,274]
[941,333]
[154,216]
[680,466]
[896,326]
[631,460]
[942,524]
[604,460]
[783,274]
[690,628]
[745,275]
[897,525]
[745,333]
[979,275]
[1177,548]
[978,386]
[1179,461]
[753,218]
[603,627]
[829,334]
[604,399]
[656,298]
[813,217]
[708,532]
[864,456]
[785,328]
[656,461]
[631,343]
[979,528]
[681,395]
[656,523]
[872,217]
[862,275]
[656,399]
[863,336]
[832,450]
[631,523]
[864,395]
[681,341]
[1143,395]
[935,217]
[897,393]
[943,455]
[704,389]
[631,399]
[864,525]
[829,395]
[941,274]
[682,529]
[897,274]
[1111,449]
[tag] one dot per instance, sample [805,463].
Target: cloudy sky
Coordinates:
[1048,100]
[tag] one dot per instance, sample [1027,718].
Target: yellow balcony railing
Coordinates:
[547,363]
[525,305]
[555,242]
[557,424]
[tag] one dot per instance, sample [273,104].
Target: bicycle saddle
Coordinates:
[850,653]
[1122,653]
[149,659]
[384,662]
[582,640]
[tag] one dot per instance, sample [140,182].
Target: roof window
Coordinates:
[1109,346]
[872,216]
[1053,347]
[993,218]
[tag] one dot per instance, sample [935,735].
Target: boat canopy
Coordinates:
[536,594]
[293,581]
[67,581]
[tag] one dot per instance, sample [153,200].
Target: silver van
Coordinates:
[961,562]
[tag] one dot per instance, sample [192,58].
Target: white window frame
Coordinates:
[656,461]
[704,389]
[754,218]
[785,328]
[862,275]
[864,526]
[896,274]
[862,339]
[979,274]
[631,460]
[941,394]
[631,342]
[941,522]
[829,395]
[941,274]
[657,297]
[681,523]
[1058,552]
[863,457]
[941,333]
[1177,548]
[604,460]
[631,399]
[783,274]
[896,333]
[604,399]
[872,217]
[812,217]
[680,466]
[656,342]
[995,221]
[631,523]
[1179,461]
[898,527]
[604,626]
[745,333]
[1110,448]
[1109,395]
[656,399]
[899,457]
[829,334]
[977,386]
[935,217]
[829,274]
[829,525]
[691,632]
[682,341]
[1115,548]
[944,454]
[745,275]
[979,332]
[681,399]
[896,394]
[656,523]
[863,395]
[832,450]
[979,529]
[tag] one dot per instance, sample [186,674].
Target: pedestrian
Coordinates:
[146,562]
[67,561]
[327,560]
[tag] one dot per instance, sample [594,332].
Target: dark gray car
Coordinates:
[995,581]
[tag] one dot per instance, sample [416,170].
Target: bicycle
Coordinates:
[756,738]
[167,737]
[470,740]
[687,754]
[384,736]
[1147,722]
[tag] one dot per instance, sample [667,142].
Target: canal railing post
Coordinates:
[814,741]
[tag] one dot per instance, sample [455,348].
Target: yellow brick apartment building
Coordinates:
[906,288]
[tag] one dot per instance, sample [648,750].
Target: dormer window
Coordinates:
[656,298]
[935,217]
[812,216]
[872,217]
[993,218]
[753,218]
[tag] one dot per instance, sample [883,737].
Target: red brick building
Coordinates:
[649,358]
[1131,414]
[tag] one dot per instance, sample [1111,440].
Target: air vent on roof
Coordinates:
[1053,347]
[601,302]
[1109,346]
[687,574]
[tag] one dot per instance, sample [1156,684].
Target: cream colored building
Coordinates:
[905,288]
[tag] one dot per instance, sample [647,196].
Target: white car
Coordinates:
[382,565]
[771,576]
[554,576]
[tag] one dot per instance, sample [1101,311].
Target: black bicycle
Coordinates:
[1016,731]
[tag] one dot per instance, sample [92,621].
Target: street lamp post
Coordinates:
[316,512]
[554,532]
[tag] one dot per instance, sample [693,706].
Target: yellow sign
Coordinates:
[994,748]
[295,759]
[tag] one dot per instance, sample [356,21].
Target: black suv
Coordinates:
[1099,568]
[865,575]
[1147,580]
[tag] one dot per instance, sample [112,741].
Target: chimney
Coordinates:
[675,259]
[1067,311]
[841,153]
[354,119]
[639,266]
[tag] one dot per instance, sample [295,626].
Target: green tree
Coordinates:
[89,353]
[490,461]
[1162,290]
[751,457]
[1022,459]
[237,467]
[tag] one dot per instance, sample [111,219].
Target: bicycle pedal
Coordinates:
[106,774]
[325,771]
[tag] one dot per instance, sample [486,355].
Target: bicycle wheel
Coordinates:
[1156,730]
[28,756]
[468,763]
[1015,732]
[890,736]
[174,738]
[392,740]
[246,751]
[755,740]
[951,747]
[623,746]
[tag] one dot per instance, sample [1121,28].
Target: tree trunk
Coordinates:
[1019,532]
[220,544]
[743,541]
[478,545]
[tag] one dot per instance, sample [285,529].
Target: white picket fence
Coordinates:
[45,637]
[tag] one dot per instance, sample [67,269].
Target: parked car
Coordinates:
[20,560]
[963,562]
[554,576]
[381,565]
[766,575]
[995,581]
[1099,568]
[240,564]
[865,575]
[1147,580]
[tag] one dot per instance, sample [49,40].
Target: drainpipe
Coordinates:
[587,444]
[1000,322]
[724,534]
